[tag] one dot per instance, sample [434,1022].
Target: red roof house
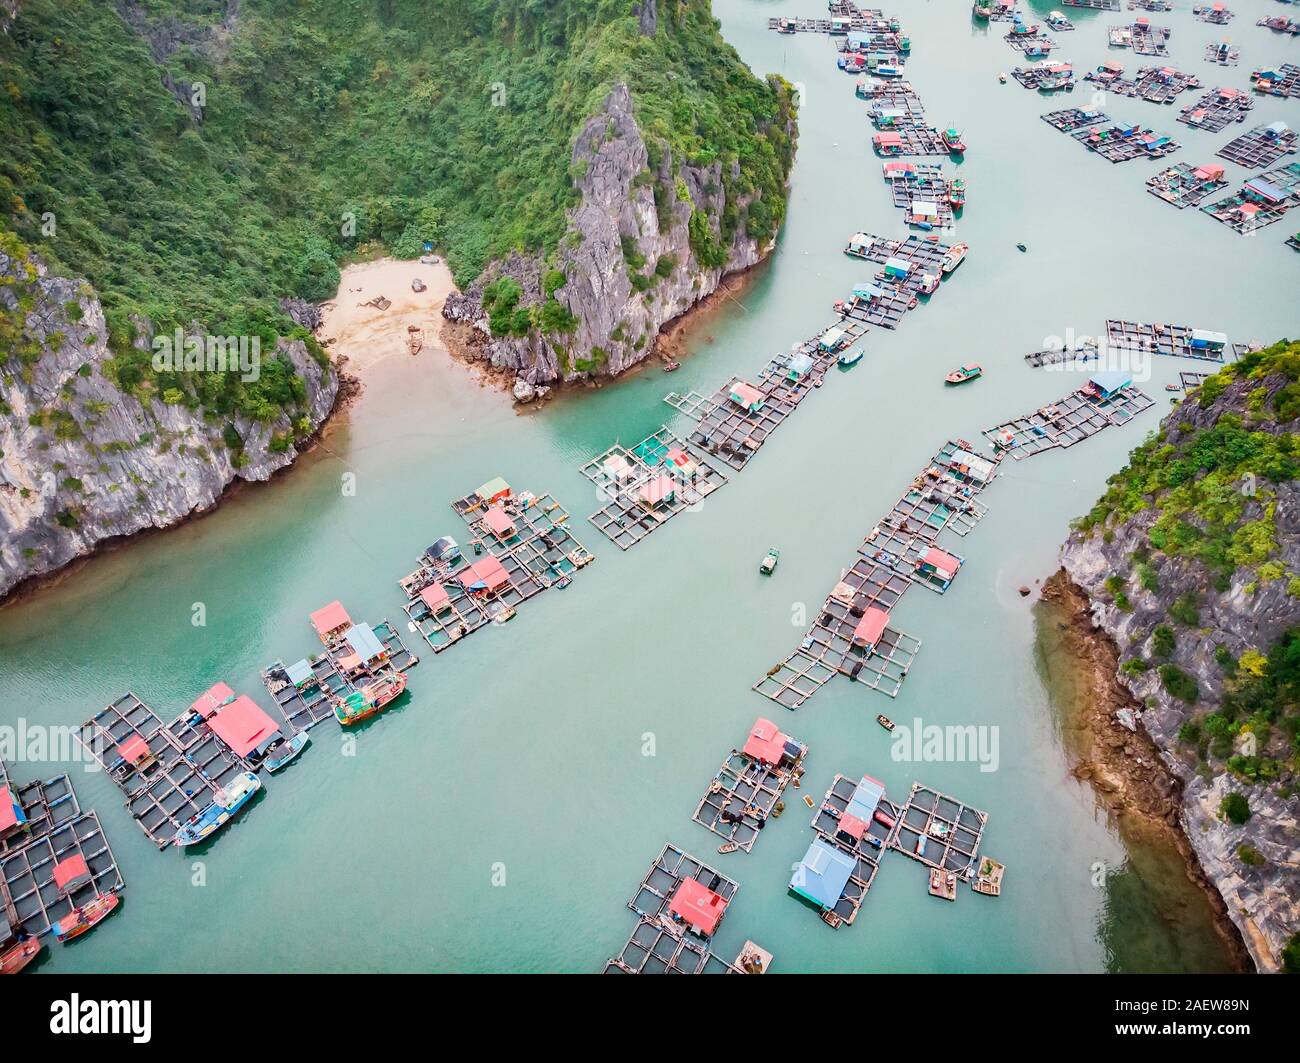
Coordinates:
[134,750]
[499,523]
[765,743]
[697,906]
[330,619]
[657,491]
[487,575]
[212,699]
[870,627]
[243,726]
[851,827]
[71,873]
[435,596]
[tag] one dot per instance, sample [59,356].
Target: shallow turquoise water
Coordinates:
[523,747]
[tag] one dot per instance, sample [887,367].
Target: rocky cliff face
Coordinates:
[1169,613]
[82,462]
[628,260]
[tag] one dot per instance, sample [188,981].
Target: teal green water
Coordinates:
[523,747]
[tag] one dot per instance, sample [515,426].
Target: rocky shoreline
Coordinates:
[1123,765]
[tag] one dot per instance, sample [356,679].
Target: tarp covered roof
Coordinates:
[299,672]
[866,796]
[330,618]
[243,726]
[212,699]
[364,642]
[822,874]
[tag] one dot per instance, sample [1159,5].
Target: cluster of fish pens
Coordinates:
[681,901]
[852,633]
[58,875]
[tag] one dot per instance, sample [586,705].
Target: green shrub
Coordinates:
[1178,683]
[1235,808]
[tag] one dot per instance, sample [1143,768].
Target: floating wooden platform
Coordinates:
[47,804]
[1217,109]
[1072,118]
[1184,185]
[1142,37]
[638,500]
[1249,209]
[951,831]
[1155,84]
[29,896]
[1222,53]
[1045,77]
[659,944]
[1093,5]
[1288,84]
[743,796]
[1260,147]
[539,552]
[177,777]
[1206,13]
[311,700]
[1067,421]
[1084,350]
[1159,338]
[1121,143]
[734,433]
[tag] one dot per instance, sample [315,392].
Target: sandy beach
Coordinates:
[367,335]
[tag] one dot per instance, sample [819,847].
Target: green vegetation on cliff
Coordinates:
[1209,487]
[198,160]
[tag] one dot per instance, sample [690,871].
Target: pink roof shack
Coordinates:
[212,699]
[698,906]
[851,826]
[71,872]
[746,395]
[765,743]
[658,490]
[944,564]
[435,596]
[499,523]
[870,627]
[133,750]
[1209,172]
[330,618]
[8,814]
[489,571]
[243,726]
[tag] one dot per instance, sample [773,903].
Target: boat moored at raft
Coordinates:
[965,373]
[957,193]
[953,142]
[18,955]
[851,357]
[954,257]
[84,919]
[370,699]
[226,803]
[283,753]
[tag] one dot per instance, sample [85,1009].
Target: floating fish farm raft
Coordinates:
[1260,201]
[1260,147]
[747,790]
[1122,143]
[645,487]
[1083,350]
[1073,118]
[1154,84]
[1045,77]
[1142,37]
[856,825]
[1222,53]
[1093,5]
[736,420]
[1285,81]
[1029,38]
[1217,110]
[1185,185]
[1150,5]
[680,904]
[1072,419]
[842,18]
[168,772]
[1214,14]
[56,872]
[54,856]
[1188,380]
[354,657]
[522,547]
[1181,341]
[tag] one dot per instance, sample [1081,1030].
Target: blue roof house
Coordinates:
[822,875]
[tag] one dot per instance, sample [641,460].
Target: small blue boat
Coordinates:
[852,357]
[286,751]
[226,802]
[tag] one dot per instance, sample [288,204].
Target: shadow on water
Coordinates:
[1154,919]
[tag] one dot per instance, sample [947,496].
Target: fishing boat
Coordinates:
[849,358]
[671,367]
[981,11]
[370,699]
[503,616]
[954,257]
[284,752]
[957,193]
[81,920]
[226,802]
[728,847]
[1173,387]
[965,373]
[1021,247]
[769,561]
[929,283]
[19,955]
[885,722]
[953,142]
[1002,78]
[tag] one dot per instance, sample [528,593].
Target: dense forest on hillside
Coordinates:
[1215,490]
[198,160]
